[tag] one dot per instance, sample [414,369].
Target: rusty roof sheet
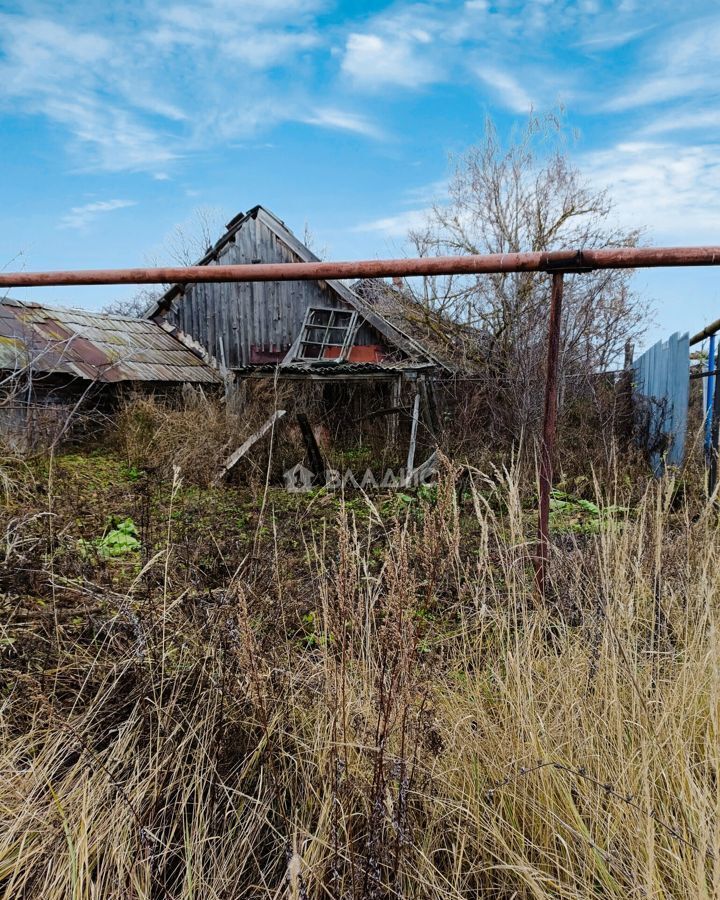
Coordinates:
[93,346]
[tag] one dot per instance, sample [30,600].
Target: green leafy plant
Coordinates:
[574,514]
[428,493]
[119,540]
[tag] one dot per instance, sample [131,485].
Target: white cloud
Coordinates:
[138,87]
[413,44]
[609,40]
[136,92]
[343,121]
[507,88]
[690,120]
[252,35]
[433,192]
[80,216]
[374,60]
[421,199]
[684,63]
[76,79]
[657,90]
[672,190]
[120,141]
[396,226]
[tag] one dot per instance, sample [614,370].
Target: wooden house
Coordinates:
[372,332]
[310,329]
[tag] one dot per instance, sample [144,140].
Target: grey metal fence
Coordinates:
[662,380]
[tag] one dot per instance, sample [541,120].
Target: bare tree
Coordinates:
[527,196]
[185,245]
[310,242]
[135,306]
[190,240]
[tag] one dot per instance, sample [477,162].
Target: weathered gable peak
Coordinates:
[259,217]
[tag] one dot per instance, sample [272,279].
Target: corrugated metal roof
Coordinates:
[93,346]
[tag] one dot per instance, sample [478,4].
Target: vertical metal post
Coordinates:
[710,393]
[549,433]
[714,436]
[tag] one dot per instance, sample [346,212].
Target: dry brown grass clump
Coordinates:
[423,730]
[197,433]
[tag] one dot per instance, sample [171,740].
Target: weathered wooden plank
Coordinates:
[315,460]
[413,433]
[416,476]
[235,457]
[263,314]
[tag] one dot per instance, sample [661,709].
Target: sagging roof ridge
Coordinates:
[31,304]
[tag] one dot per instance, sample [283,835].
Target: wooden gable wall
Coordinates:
[241,324]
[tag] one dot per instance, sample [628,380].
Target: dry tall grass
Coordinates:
[424,731]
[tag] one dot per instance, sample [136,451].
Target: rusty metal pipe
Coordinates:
[557,260]
[549,433]
[711,329]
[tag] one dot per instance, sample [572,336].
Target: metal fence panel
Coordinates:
[662,376]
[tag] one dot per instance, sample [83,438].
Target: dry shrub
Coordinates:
[197,432]
[155,435]
[598,425]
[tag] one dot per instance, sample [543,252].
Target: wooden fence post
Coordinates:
[315,460]
[413,433]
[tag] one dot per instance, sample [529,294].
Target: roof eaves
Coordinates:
[91,345]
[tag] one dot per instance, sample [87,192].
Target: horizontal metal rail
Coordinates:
[710,374]
[711,329]
[555,261]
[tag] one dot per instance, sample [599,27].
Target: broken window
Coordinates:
[326,336]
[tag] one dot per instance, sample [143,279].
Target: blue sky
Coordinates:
[119,119]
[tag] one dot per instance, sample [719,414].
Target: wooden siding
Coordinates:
[229,319]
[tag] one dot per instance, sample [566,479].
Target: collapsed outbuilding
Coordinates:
[57,364]
[323,328]
[367,346]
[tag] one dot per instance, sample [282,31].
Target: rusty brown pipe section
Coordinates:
[549,433]
[557,260]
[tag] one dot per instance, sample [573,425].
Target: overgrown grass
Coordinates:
[356,700]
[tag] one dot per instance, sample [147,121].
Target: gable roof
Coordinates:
[458,346]
[93,346]
[396,331]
